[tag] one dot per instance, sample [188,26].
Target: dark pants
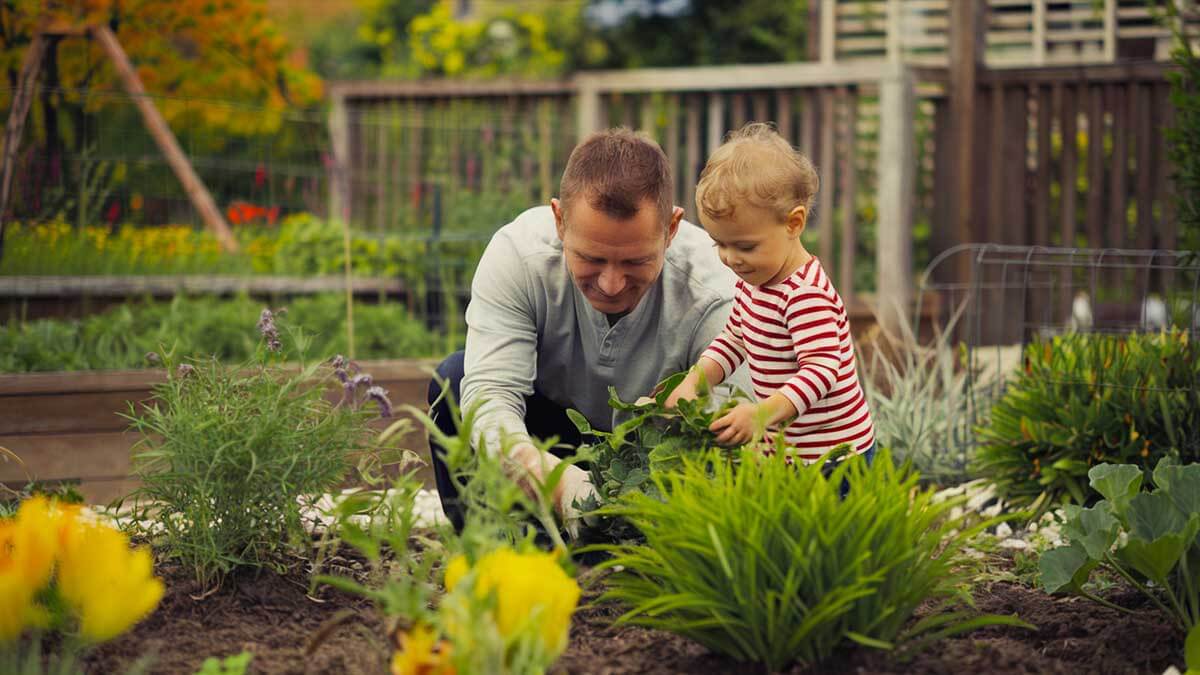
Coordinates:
[543,418]
[830,465]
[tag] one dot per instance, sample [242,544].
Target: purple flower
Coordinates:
[361,380]
[339,362]
[184,370]
[266,326]
[379,395]
[152,358]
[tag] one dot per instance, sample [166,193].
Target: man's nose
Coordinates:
[611,281]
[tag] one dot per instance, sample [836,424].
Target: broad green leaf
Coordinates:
[1155,559]
[1117,482]
[1191,650]
[1065,568]
[1154,515]
[1181,483]
[1095,529]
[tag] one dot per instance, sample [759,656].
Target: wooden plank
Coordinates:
[545,155]
[379,172]
[1145,166]
[65,413]
[943,236]
[731,78]
[737,111]
[102,459]
[716,121]
[1041,185]
[1094,74]
[416,150]
[966,49]
[1015,226]
[672,145]
[1068,118]
[431,89]
[1117,198]
[759,103]
[828,175]
[848,189]
[692,165]
[1164,195]
[649,121]
[808,122]
[1094,209]
[783,115]
[996,229]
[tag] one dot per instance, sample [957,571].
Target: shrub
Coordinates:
[1083,400]
[765,562]
[230,456]
[1148,538]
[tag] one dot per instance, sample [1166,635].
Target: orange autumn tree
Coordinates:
[189,50]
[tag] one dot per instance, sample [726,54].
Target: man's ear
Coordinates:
[797,219]
[673,226]
[559,225]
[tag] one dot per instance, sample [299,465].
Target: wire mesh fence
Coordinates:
[1093,313]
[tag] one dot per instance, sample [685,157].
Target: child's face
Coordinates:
[756,245]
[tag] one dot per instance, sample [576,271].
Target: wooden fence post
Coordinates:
[968,19]
[339,136]
[893,261]
[587,111]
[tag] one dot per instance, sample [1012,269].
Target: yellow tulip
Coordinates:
[110,586]
[28,545]
[529,587]
[421,653]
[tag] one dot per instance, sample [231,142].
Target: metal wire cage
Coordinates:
[992,300]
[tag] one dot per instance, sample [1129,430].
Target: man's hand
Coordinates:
[737,426]
[532,467]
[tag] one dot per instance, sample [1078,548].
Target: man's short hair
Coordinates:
[756,166]
[616,170]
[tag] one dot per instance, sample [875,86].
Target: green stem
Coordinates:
[1111,605]
[1145,591]
[1192,600]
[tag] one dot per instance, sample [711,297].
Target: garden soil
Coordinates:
[291,632]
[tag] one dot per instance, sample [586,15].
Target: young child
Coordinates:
[754,197]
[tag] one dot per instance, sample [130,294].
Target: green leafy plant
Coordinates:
[200,327]
[923,399]
[1083,400]
[1147,538]
[230,456]
[764,561]
[504,606]
[230,665]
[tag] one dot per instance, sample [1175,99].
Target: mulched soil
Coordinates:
[274,618]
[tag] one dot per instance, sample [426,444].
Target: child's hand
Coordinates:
[685,391]
[737,426]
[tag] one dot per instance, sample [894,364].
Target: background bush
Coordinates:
[1084,399]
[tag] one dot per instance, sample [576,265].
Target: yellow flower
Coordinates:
[111,586]
[28,545]
[529,587]
[421,653]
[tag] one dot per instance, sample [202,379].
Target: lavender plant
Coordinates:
[230,456]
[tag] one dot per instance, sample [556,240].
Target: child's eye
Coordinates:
[745,248]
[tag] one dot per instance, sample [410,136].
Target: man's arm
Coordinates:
[501,354]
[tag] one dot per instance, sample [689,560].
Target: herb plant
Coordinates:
[1148,538]
[230,456]
[1083,400]
[765,562]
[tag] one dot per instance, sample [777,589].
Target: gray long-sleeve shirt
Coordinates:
[529,328]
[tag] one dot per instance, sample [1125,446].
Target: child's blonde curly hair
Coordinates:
[756,165]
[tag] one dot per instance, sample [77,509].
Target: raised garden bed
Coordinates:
[68,425]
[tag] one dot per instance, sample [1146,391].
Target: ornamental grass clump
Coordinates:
[1083,400]
[63,570]
[764,561]
[231,456]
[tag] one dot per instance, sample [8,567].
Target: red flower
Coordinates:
[260,175]
[113,212]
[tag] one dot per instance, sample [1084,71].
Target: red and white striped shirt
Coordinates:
[796,336]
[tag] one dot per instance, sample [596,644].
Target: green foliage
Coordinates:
[654,438]
[1183,137]
[922,399]
[206,326]
[1147,538]
[230,665]
[229,456]
[1082,400]
[766,562]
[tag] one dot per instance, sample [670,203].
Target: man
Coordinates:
[605,287]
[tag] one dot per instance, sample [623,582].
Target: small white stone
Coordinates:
[1016,544]
[1003,530]
[1171,670]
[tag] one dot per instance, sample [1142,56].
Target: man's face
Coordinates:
[614,262]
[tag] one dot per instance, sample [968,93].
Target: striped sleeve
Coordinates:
[815,324]
[728,349]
